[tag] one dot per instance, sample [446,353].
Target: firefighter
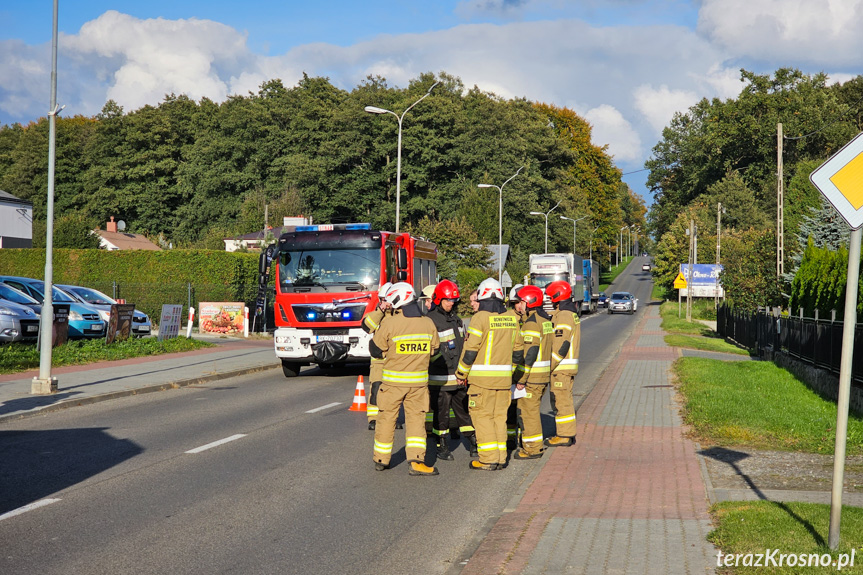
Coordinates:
[406,342]
[564,361]
[474,304]
[425,306]
[518,310]
[371,322]
[447,396]
[538,333]
[493,355]
[425,298]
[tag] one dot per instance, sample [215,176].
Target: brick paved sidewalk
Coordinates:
[628,498]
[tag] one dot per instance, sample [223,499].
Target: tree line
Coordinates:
[189,174]
[725,152]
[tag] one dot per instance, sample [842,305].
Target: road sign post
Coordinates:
[840,179]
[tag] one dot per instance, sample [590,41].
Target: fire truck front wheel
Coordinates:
[290,368]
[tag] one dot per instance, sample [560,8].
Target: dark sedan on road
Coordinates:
[602,300]
[622,302]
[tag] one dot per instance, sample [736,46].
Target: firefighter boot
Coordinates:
[477,466]
[443,451]
[522,454]
[558,441]
[471,439]
[420,468]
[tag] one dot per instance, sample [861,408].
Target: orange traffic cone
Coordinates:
[359,403]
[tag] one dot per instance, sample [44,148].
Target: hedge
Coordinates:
[147,279]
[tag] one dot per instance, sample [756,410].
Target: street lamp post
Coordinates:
[45,383]
[574,251]
[500,222]
[545,215]
[619,242]
[376,110]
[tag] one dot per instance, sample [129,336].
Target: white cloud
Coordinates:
[822,32]
[659,104]
[611,128]
[154,57]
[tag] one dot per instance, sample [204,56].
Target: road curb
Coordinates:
[67,403]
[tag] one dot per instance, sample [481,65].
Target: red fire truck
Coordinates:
[327,278]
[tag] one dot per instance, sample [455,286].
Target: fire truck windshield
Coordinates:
[330,268]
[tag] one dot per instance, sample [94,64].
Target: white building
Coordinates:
[16,222]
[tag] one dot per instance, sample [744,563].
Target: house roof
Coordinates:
[124,241]
[9,198]
[495,250]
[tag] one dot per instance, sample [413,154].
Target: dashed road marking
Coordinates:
[323,407]
[216,443]
[26,508]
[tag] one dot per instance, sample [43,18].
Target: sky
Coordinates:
[626,66]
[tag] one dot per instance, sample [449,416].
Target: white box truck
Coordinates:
[547,268]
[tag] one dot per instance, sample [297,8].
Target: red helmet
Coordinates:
[531,295]
[445,290]
[558,291]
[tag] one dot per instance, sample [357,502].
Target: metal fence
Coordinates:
[149,297]
[812,340]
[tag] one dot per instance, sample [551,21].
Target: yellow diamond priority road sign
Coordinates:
[840,179]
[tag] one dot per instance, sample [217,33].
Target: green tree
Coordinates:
[748,257]
[75,231]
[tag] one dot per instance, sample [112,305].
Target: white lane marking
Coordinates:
[216,443]
[323,407]
[27,508]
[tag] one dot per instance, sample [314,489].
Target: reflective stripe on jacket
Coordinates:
[408,344]
[567,328]
[538,333]
[488,352]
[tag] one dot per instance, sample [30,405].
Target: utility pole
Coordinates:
[718,232]
[689,279]
[780,211]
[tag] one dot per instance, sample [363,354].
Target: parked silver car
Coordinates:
[141,324]
[17,322]
[622,302]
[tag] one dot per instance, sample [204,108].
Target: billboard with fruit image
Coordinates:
[221,317]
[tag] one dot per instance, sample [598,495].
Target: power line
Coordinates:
[850,109]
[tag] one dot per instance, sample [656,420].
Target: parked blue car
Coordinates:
[84,320]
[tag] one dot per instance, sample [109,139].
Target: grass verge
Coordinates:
[704,344]
[759,405]
[674,324]
[17,357]
[801,529]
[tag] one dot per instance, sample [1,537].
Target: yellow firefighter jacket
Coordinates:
[407,344]
[566,343]
[538,334]
[493,351]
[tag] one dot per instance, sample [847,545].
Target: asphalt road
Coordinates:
[253,475]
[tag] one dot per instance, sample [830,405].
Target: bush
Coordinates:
[147,279]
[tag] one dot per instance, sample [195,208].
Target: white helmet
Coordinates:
[513,293]
[382,291]
[399,294]
[488,289]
